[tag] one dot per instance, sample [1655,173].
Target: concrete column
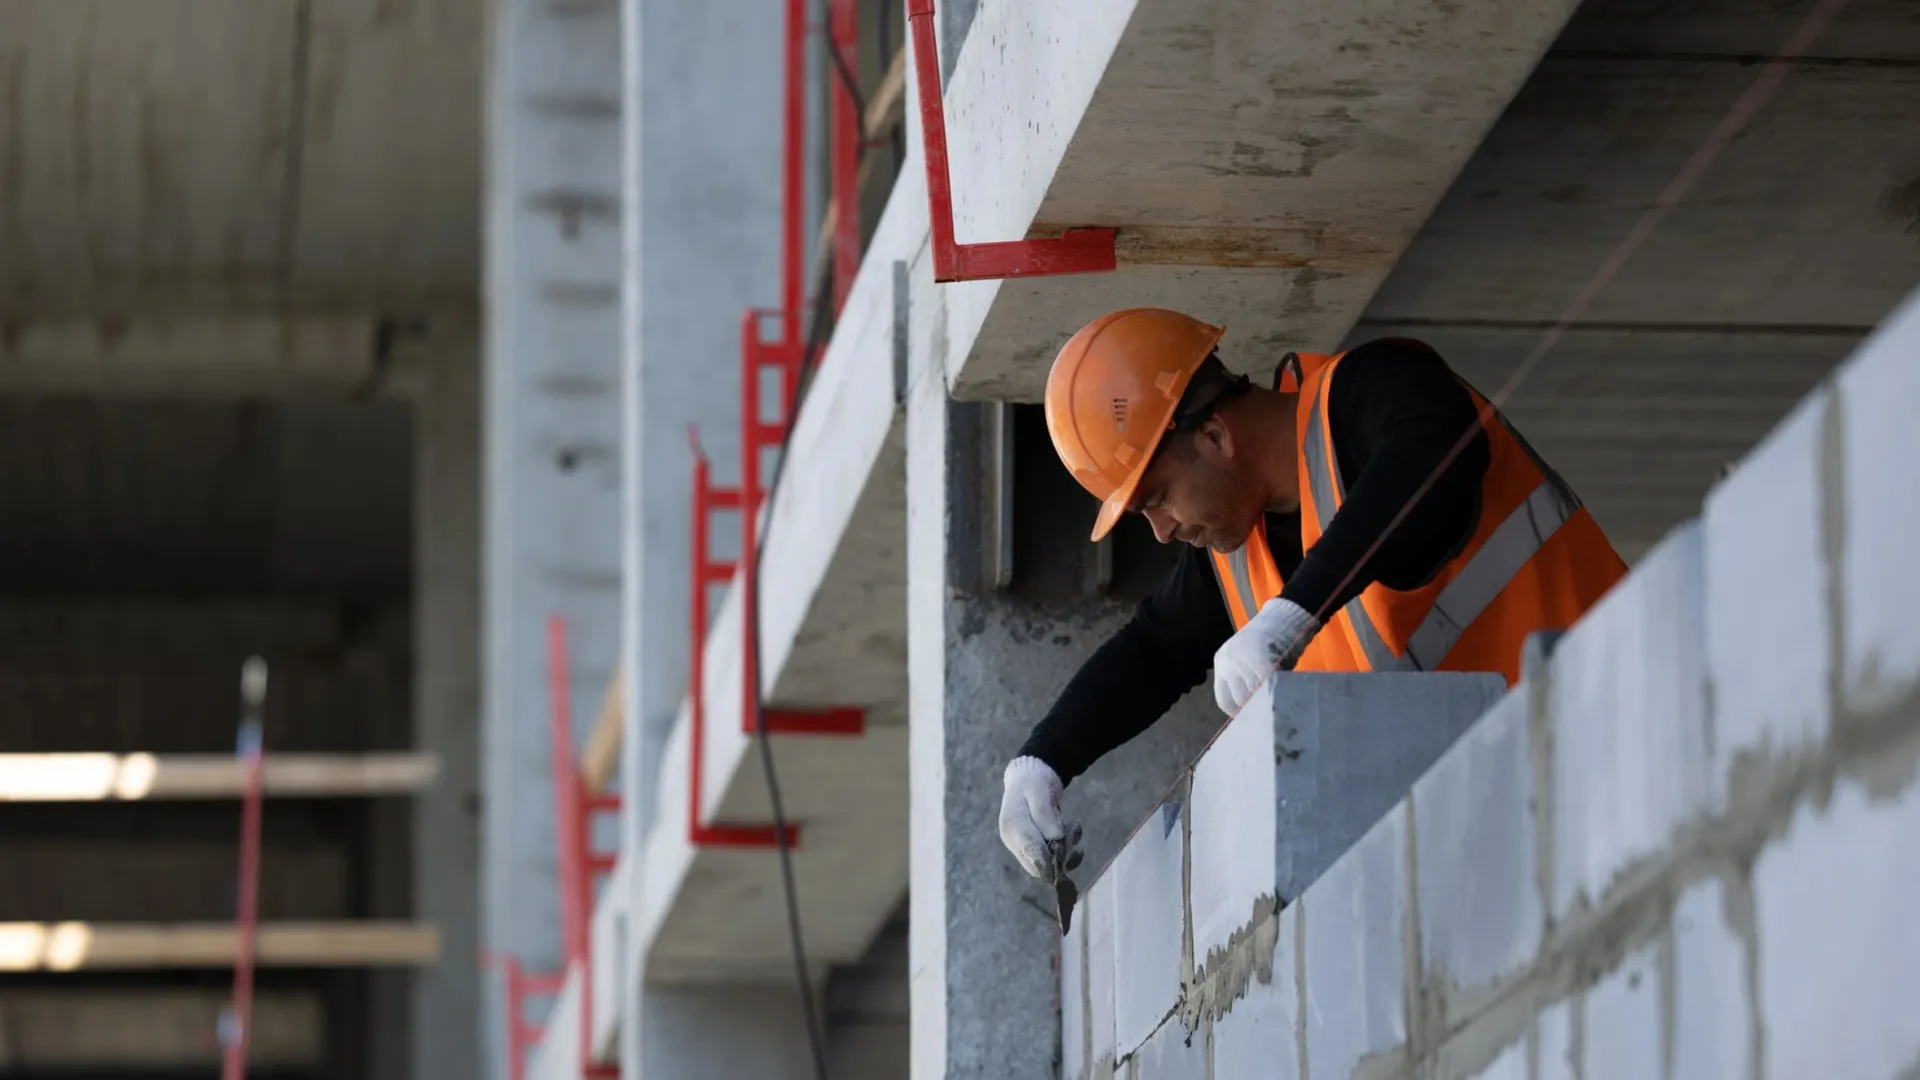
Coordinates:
[551,430]
[702,150]
[446,710]
[984,666]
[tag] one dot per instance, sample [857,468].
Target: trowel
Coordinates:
[1066,857]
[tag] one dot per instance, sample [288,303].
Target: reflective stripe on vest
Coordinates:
[1472,590]
[1242,584]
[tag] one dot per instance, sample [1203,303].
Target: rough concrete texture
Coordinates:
[1625,1020]
[1629,752]
[1712,1031]
[1762,933]
[1307,778]
[1475,842]
[1149,920]
[551,429]
[983,668]
[1262,1035]
[446,686]
[1355,943]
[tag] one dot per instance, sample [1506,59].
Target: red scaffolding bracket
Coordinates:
[522,1035]
[580,864]
[1077,251]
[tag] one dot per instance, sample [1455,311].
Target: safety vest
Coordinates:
[1537,560]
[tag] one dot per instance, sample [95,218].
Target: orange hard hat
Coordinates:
[1112,393]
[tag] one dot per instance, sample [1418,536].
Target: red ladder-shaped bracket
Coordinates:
[1077,251]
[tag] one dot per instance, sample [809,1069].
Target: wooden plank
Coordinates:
[887,107]
[78,946]
[129,777]
[170,1028]
[602,754]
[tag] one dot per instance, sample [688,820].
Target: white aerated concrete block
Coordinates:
[1149,919]
[1623,1035]
[1628,714]
[1288,789]
[1510,1065]
[1481,914]
[1355,933]
[1839,944]
[1073,999]
[1096,911]
[1553,1035]
[1767,622]
[1259,1034]
[1879,449]
[1710,1000]
[1169,1056]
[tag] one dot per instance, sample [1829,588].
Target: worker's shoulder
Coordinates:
[1391,350]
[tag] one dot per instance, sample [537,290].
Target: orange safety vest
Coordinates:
[1537,559]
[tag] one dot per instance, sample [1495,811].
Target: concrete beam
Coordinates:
[79,946]
[1265,166]
[278,355]
[134,777]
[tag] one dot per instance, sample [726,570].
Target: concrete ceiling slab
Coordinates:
[1265,165]
[389,193]
[1801,221]
[142,145]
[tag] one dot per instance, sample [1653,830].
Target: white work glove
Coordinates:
[1030,822]
[1271,641]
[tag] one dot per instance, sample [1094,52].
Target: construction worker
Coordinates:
[1356,516]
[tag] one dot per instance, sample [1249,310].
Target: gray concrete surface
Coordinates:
[984,666]
[550,421]
[446,708]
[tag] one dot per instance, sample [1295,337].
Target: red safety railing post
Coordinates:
[843,39]
[1077,251]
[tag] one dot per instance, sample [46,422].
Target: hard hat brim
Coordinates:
[1116,503]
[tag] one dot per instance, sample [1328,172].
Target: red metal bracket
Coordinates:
[574,808]
[521,1035]
[1077,251]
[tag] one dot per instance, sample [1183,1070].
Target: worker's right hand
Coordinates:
[1030,822]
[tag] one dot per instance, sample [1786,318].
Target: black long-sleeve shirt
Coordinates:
[1394,413]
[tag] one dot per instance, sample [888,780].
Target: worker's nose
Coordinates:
[1163,525]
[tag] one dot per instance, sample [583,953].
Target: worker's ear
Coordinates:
[1213,440]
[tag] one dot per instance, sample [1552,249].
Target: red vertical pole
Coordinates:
[847,136]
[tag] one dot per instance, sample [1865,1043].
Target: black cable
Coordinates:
[816,1036]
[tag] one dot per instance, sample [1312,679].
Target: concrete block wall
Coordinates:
[1682,847]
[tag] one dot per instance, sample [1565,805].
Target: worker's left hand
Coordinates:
[1271,641]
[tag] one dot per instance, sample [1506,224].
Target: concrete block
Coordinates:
[1879,393]
[1149,921]
[1355,932]
[1480,909]
[1628,714]
[1553,1038]
[1510,1065]
[1710,991]
[1767,658]
[1074,1000]
[1168,1055]
[1623,1035]
[1097,913]
[1258,1036]
[1306,780]
[1839,953]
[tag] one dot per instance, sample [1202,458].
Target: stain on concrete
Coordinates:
[1231,968]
